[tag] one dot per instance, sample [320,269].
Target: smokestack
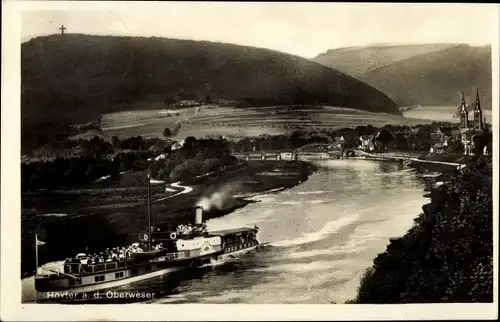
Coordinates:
[198,215]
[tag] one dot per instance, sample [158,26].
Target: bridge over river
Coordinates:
[311,151]
[321,151]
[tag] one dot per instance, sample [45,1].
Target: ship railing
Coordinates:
[158,236]
[78,268]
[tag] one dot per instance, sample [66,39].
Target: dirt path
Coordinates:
[186,189]
[198,109]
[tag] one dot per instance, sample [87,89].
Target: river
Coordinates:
[322,235]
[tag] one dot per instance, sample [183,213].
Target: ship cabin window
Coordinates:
[239,239]
[99,278]
[75,281]
[134,272]
[119,275]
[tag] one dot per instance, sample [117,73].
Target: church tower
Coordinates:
[478,114]
[464,115]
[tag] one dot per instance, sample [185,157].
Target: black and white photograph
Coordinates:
[249,153]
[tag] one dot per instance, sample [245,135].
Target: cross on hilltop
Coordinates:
[62,29]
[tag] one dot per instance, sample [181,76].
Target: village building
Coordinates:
[444,134]
[442,138]
[338,142]
[160,157]
[366,143]
[186,103]
[439,148]
[177,145]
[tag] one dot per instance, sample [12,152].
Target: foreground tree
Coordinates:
[167,132]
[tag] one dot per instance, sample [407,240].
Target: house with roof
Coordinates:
[439,147]
[177,145]
[338,141]
[414,131]
[366,142]
[442,134]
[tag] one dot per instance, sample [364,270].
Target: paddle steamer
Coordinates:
[156,253]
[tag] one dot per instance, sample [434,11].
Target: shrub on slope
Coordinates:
[448,254]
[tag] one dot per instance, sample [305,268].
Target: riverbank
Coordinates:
[447,172]
[112,213]
[447,256]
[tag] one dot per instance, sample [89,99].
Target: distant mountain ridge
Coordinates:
[75,77]
[426,75]
[359,60]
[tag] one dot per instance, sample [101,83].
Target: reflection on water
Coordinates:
[321,235]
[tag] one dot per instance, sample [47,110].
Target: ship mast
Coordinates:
[36,254]
[149,205]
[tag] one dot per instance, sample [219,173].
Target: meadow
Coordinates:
[234,122]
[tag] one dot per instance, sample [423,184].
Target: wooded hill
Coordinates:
[74,78]
[426,75]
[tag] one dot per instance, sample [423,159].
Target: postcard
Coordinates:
[299,161]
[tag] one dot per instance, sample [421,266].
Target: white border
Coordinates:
[10,301]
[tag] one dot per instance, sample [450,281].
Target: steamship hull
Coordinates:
[55,287]
[186,247]
[63,286]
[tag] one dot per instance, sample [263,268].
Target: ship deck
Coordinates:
[226,232]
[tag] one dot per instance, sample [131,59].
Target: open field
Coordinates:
[143,122]
[242,122]
[292,117]
[151,123]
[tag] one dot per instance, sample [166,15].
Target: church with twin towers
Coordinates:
[470,130]
[478,124]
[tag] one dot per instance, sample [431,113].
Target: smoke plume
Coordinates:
[219,198]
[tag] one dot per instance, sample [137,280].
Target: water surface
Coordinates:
[322,236]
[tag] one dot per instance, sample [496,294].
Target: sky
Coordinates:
[304,29]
